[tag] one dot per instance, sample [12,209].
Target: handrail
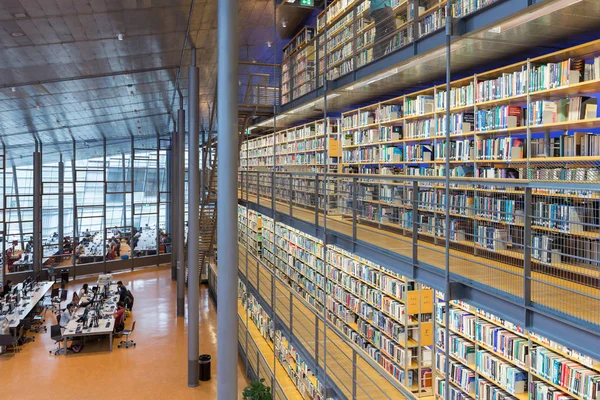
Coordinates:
[575,185]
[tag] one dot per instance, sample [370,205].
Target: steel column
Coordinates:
[447,216]
[193,216]
[61,204]
[124,178]
[18,203]
[170,175]
[75,227]
[179,237]
[227,117]
[37,210]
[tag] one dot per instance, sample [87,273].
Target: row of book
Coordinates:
[572,376]
[508,84]
[459,97]
[507,376]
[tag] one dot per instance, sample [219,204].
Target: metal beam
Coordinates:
[227,117]
[193,223]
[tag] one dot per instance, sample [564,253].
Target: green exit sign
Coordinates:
[308,3]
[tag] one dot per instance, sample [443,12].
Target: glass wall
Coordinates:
[99,206]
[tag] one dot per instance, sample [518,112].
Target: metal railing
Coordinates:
[341,365]
[533,242]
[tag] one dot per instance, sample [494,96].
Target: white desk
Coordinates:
[106,324]
[26,305]
[147,241]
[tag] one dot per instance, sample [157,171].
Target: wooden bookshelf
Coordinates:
[365,150]
[298,66]
[307,264]
[526,341]
[293,388]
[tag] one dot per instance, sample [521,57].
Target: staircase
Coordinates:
[208,208]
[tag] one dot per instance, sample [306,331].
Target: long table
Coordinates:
[25,306]
[106,324]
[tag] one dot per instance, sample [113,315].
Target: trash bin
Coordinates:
[64,277]
[204,370]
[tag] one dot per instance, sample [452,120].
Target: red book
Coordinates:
[515,111]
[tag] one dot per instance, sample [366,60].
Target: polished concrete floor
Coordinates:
[155,369]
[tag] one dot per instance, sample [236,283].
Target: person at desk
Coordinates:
[6,288]
[67,315]
[84,292]
[119,318]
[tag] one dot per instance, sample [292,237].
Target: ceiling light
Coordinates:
[284,23]
[13,89]
[269,44]
[121,36]
[20,15]
[532,15]
[17,34]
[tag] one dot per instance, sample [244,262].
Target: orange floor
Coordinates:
[155,369]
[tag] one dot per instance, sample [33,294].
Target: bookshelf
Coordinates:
[298,66]
[532,120]
[493,357]
[299,149]
[387,315]
[350,39]
[307,386]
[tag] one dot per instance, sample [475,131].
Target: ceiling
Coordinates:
[520,37]
[65,74]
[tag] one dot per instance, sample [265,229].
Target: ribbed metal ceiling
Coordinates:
[65,74]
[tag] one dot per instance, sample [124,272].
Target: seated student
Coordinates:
[84,292]
[7,287]
[119,318]
[67,315]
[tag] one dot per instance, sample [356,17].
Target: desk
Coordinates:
[23,309]
[147,241]
[106,324]
[94,250]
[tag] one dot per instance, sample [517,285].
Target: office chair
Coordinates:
[8,340]
[38,322]
[54,300]
[56,335]
[25,326]
[127,343]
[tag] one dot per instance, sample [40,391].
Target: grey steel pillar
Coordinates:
[179,237]
[61,204]
[18,203]
[125,191]
[75,227]
[227,117]
[193,216]
[37,210]
[169,175]
[447,295]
